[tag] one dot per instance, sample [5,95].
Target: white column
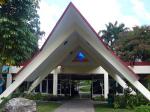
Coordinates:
[106,82]
[106,85]
[41,87]
[9,80]
[55,82]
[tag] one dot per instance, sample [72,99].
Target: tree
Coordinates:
[19,31]
[111,33]
[134,45]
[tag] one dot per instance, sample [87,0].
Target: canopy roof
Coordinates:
[72,31]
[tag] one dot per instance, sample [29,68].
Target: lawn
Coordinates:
[105,108]
[47,107]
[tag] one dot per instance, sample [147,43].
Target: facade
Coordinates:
[53,83]
[74,51]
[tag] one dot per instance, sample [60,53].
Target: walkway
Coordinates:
[76,106]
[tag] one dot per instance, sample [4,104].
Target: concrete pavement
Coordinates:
[79,105]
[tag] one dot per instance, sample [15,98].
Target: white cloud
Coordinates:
[100,12]
[49,14]
[97,12]
[130,21]
[139,9]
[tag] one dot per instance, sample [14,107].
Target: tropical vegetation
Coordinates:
[19,31]
[134,45]
[111,33]
[129,44]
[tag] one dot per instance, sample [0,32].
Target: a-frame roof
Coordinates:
[73,30]
[73,18]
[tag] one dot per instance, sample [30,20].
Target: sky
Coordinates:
[97,12]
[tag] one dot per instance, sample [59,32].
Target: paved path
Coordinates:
[76,106]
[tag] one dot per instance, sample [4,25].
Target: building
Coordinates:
[74,51]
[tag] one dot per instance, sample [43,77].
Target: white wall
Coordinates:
[141,69]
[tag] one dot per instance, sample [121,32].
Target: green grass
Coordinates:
[105,108]
[85,89]
[47,107]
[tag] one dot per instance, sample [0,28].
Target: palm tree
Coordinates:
[111,33]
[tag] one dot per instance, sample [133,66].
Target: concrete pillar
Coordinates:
[55,83]
[41,87]
[106,81]
[119,80]
[39,80]
[106,85]
[9,80]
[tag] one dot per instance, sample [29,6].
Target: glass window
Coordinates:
[50,86]
[37,89]
[44,86]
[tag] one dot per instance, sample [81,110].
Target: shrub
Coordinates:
[36,96]
[45,97]
[119,102]
[4,100]
[99,98]
[142,100]
[129,101]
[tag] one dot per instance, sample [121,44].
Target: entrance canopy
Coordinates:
[71,32]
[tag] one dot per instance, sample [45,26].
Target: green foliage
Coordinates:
[119,102]
[143,108]
[99,98]
[19,31]
[130,45]
[45,97]
[4,101]
[112,32]
[37,96]
[85,88]
[129,101]
[134,45]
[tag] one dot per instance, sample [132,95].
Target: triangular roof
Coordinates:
[73,30]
